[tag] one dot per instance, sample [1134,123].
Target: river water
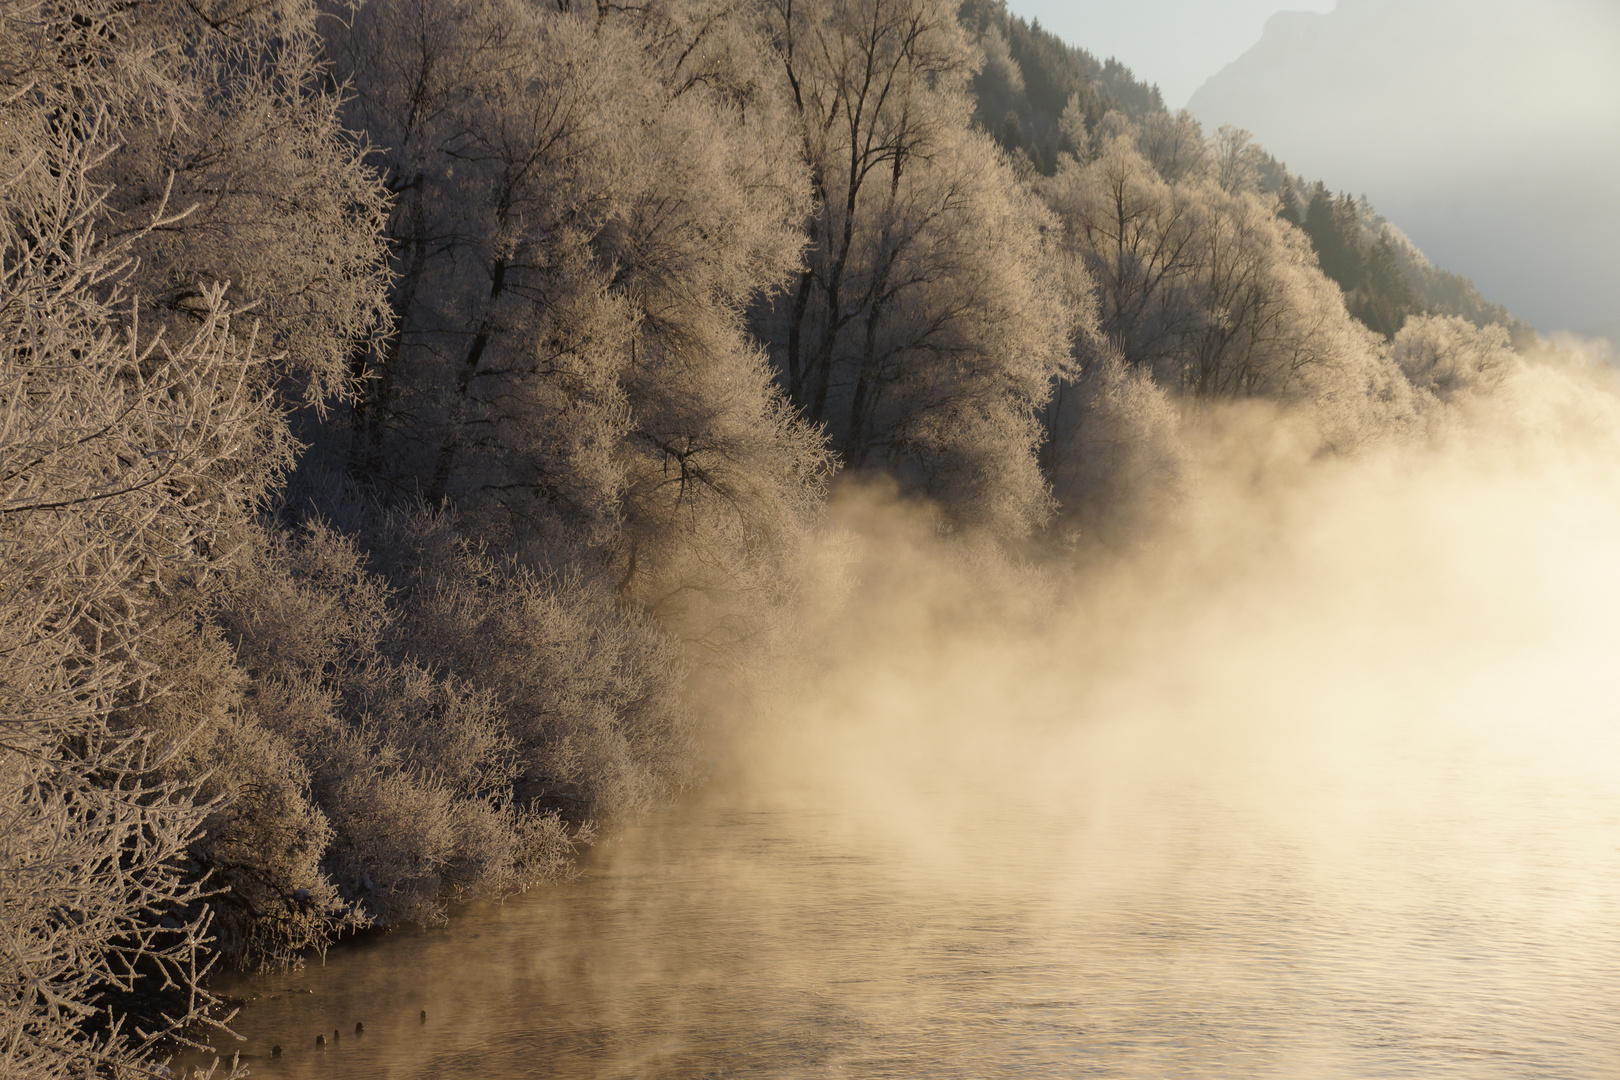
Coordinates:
[1467,928]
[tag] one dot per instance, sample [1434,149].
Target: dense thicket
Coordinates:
[585,201]
[187,245]
[406,404]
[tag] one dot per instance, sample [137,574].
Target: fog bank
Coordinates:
[1300,630]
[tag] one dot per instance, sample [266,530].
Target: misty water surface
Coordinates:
[1453,917]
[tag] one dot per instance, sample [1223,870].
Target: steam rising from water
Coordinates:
[1320,780]
[1348,726]
[1304,619]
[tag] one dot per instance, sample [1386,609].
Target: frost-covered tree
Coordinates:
[1240,165]
[585,202]
[1449,357]
[283,212]
[1202,292]
[126,461]
[223,110]
[188,247]
[1172,143]
[1200,281]
[926,327]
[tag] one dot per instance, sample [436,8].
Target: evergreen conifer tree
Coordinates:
[1288,207]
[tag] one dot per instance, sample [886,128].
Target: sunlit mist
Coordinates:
[1317,780]
[788,538]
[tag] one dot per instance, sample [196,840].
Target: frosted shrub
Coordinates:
[1450,357]
[372,753]
[263,839]
[105,939]
[589,689]
[264,845]
[412,769]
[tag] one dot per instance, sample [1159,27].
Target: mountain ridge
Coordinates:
[1019,93]
[1487,130]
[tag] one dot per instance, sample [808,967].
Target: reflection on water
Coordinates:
[1455,917]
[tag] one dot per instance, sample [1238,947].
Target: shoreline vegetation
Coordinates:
[418,414]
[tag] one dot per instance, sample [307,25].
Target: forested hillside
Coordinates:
[406,405]
[1028,80]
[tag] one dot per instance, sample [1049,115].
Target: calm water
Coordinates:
[1375,910]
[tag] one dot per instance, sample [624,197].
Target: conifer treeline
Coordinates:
[405,402]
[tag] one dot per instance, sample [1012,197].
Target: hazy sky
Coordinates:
[1175,43]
